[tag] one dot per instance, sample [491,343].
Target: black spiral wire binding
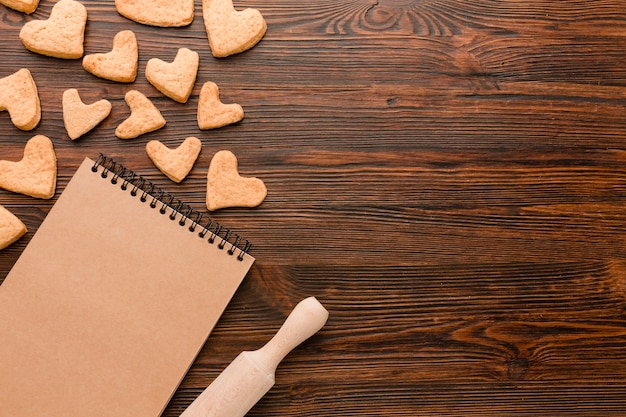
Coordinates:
[159,197]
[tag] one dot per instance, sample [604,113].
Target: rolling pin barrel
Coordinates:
[248,378]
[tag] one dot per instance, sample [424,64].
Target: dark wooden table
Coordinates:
[448,177]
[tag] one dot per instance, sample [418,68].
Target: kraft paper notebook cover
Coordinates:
[112,299]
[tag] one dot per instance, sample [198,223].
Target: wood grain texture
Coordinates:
[446,176]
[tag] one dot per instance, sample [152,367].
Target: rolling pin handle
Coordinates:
[307,317]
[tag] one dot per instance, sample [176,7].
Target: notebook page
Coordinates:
[108,306]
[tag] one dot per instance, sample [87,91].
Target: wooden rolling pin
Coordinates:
[248,378]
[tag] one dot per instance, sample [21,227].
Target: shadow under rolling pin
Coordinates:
[248,378]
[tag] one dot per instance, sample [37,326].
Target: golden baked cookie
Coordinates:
[230,31]
[11,228]
[80,118]
[175,163]
[24,6]
[174,79]
[212,113]
[19,96]
[120,64]
[226,188]
[35,174]
[61,35]
[165,13]
[144,117]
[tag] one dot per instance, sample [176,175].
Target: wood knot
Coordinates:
[391,15]
[397,4]
[517,368]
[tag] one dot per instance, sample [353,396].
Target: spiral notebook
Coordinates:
[112,299]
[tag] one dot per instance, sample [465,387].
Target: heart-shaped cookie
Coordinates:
[174,79]
[120,64]
[11,228]
[144,117]
[35,174]
[19,96]
[212,113]
[226,188]
[61,35]
[165,13]
[78,117]
[230,31]
[175,163]
[24,6]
